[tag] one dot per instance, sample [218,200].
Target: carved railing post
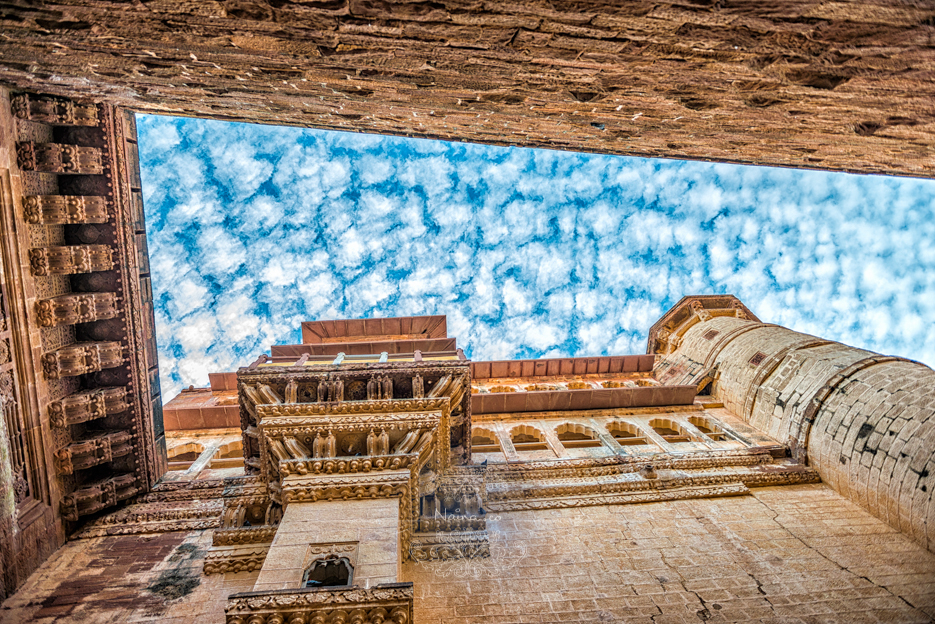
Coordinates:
[70,259]
[58,158]
[64,209]
[76,308]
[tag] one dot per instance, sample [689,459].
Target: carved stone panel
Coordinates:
[76,308]
[66,260]
[93,451]
[88,405]
[48,209]
[58,158]
[81,358]
[52,110]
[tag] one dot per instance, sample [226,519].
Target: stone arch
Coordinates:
[231,450]
[187,452]
[329,572]
[626,434]
[708,427]
[526,438]
[671,431]
[573,435]
[484,441]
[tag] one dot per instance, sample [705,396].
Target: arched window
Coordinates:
[670,431]
[330,572]
[578,385]
[501,389]
[577,436]
[526,438]
[626,434]
[483,441]
[708,428]
[184,455]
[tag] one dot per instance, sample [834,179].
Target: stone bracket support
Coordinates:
[76,308]
[58,158]
[88,405]
[68,260]
[64,209]
[81,358]
[96,496]
[99,449]
[54,111]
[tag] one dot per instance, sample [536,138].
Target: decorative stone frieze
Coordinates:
[68,260]
[246,558]
[58,158]
[448,546]
[341,465]
[298,489]
[53,110]
[100,495]
[383,604]
[98,449]
[88,405]
[64,209]
[244,535]
[76,308]
[81,358]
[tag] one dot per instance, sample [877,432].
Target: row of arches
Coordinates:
[565,385]
[228,455]
[574,435]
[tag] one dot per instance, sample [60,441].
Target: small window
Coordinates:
[710,334]
[670,431]
[527,439]
[331,572]
[502,389]
[626,434]
[577,436]
[708,428]
[757,358]
[483,441]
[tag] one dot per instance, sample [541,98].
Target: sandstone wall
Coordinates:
[865,422]
[804,83]
[796,553]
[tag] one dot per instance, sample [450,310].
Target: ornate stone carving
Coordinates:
[342,465]
[93,451]
[81,358]
[64,209]
[101,495]
[447,546]
[67,260]
[383,604]
[58,158]
[331,487]
[699,311]
[76,308]
[235,559]
[88,405]
[244,535]
[53,110]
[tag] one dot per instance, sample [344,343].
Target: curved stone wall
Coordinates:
[865,422]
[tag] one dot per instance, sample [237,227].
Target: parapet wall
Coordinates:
[865,422]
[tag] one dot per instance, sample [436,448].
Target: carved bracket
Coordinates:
[81,358]
[92,498]
[76,308]
[58,158]
[99,449]
[52,110]
[88,405]
[71,259]
[64,209]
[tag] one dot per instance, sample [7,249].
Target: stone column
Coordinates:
[865,422]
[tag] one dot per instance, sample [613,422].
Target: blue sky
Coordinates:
[530,253]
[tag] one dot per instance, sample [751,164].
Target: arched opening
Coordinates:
[708,428]
[184,455]
[577,436]
[626,434]
[502,389]
[483,441]
[526,438]
[331,572]
[670,431]
[578,385]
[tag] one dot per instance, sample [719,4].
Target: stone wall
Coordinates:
[797,553]
[803,83]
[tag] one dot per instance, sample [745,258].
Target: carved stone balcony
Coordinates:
[64,209]
[96,496]
[88,405]
[81,358]
[100,449]
[68,260]
[58,158]
[383,604]
[76,308]
[52,110]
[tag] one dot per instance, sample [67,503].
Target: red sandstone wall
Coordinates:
[803,83]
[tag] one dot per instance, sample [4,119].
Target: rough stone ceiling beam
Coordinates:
[832,85]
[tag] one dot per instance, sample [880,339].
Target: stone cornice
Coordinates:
[391,603]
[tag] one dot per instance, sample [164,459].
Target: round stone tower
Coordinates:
[864,421]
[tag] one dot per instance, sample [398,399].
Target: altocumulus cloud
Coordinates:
[253,229]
